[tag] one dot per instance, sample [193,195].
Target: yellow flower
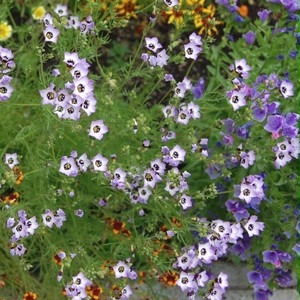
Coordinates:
[5,31]
[38,13]
[175,16]
[127,8]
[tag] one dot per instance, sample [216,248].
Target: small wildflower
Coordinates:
[98,129]
[5,31]
[11,160]
[38,13]
[30,296]
[51,34]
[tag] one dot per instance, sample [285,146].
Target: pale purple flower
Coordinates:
[5,88]
[18,250]
[242,68]
[31,225]
[83,87]
[79,213]
[186,282]
[185,201]
[89,104]
[99,163]
[48,19]
[253,227]
[195,38]
[150,178]
[171,3]
[61,10]
[206,253]
[98,129]
[121,270]
[48,218]
[168,77]
[68,166]
[81,281]
[126,292]
[71,59]
[286,89]
[192,50]
[237,100]
[162,58]
[51,34]
[153,44]
[10,222]
[83,162]
[11,159]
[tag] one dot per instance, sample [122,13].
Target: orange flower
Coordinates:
[243,11]
[94,291]
[127,8]
[169,278]
[11,198]
[117,226]
[30,296]
[20,175]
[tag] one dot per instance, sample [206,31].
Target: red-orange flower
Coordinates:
[30,296]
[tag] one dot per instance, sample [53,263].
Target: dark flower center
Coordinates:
[49,35]
[80,88]
[251,227]
[67,166]
[50,96]
[235,99]
[121,269]
[246,192]
[148,177]
[48,218]
[3,90]
[189,51]
[175,154]
[61,97]
[203,251]
[184,280]
[98,163]
[96,129]
[281,156]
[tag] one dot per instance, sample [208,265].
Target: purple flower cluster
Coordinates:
[77,288]
[153,45]
[6,66]
[192,49]
[51,33]
[24,228]
[77,95]
[71,165]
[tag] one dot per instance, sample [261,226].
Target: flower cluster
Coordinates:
[77,95]
[154,45]
[51,33]
[6,65]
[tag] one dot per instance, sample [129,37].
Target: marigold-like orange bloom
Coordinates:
[117,226]
[94,291]
[127,8]
[169,278]
[20,175]
[11,198]
[243,11]
[30,296]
